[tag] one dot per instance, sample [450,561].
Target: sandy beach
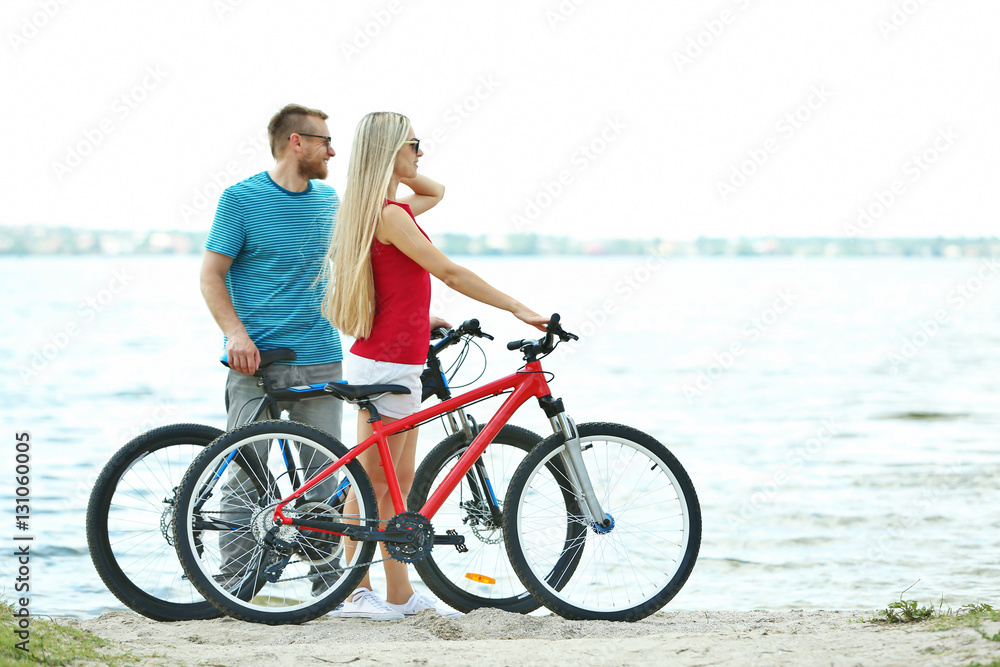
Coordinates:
[493,637]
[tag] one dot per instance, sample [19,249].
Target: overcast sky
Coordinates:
[581,117]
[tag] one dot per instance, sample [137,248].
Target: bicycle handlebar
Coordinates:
[554,334]
[449,337]
[544,345]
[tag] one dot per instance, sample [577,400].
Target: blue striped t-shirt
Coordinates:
[278,241]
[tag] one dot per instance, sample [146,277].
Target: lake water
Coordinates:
[838,417]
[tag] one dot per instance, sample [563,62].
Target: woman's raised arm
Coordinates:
[426,193]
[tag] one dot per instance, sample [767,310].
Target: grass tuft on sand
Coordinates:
[51,643]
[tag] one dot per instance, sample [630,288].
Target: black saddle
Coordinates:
[355,392]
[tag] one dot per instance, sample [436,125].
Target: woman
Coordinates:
[380,263]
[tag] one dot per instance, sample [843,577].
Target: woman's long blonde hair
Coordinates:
[349,302]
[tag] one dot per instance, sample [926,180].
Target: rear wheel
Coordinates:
[224,531]
[129,523]
[628,569]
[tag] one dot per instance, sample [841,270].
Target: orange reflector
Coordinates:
[481,578]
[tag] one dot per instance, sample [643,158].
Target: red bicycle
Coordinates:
[599,520]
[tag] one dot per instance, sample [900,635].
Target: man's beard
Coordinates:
[311,170]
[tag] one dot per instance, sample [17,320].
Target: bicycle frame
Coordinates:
[524,384]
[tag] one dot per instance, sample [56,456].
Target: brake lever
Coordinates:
[472,328]
[563,335]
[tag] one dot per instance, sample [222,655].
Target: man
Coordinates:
[263,255]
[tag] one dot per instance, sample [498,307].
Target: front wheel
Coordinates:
[225,535]
[628,569]
[129,523]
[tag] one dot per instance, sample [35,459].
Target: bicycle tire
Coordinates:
[623,574]
[128,516]
[204,521]
[482,576]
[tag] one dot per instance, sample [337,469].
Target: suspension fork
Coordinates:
[461,424]
[572,460]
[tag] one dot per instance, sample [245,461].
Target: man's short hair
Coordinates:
[291,118]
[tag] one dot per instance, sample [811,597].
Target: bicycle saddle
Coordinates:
[354,392]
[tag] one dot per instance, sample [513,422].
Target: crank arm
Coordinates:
[452,538]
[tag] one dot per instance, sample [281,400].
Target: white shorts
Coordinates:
[359,370]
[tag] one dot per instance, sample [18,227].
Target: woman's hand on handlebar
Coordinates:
[529,316]
[438,323]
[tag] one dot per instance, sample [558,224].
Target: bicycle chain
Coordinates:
[307,576]
[342,569]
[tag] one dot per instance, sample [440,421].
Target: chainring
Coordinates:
[423,537]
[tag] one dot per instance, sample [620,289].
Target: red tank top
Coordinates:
[401,330]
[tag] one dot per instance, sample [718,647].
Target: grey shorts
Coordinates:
[325,413]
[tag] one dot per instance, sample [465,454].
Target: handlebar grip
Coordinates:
[470,325]
[553,322]
[515,344]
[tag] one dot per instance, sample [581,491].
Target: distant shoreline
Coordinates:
[53,241]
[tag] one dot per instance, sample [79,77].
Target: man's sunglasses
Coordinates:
[329,140]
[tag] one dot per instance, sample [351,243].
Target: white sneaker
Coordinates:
[365,604]
[338,610]
[418,603]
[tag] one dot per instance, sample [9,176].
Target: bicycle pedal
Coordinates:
[452,537]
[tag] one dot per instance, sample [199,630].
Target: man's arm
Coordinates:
[241,351]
